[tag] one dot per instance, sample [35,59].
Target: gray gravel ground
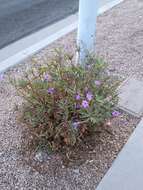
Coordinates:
[120,43]
[120,38]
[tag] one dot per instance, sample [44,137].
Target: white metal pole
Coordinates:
[87,27]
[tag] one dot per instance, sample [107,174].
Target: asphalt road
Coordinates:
[18,18]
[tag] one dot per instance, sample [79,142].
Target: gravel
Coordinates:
[120,43]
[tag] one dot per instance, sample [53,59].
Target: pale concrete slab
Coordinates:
[131,97]
[126,172]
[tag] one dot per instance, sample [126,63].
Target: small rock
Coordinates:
[112,69]
[41,156]
[63,167]
[76,171]
[89,161]
[1,154]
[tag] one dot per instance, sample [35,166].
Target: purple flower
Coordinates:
[1,77]
[77,97]
[85,104]
[97,83]
[51,90]
[77,106]
[89,96]
[75,125]
[116,113]
[47,77]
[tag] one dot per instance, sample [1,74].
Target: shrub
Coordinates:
[66,101]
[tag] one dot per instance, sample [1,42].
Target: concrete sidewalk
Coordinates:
[127,170]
